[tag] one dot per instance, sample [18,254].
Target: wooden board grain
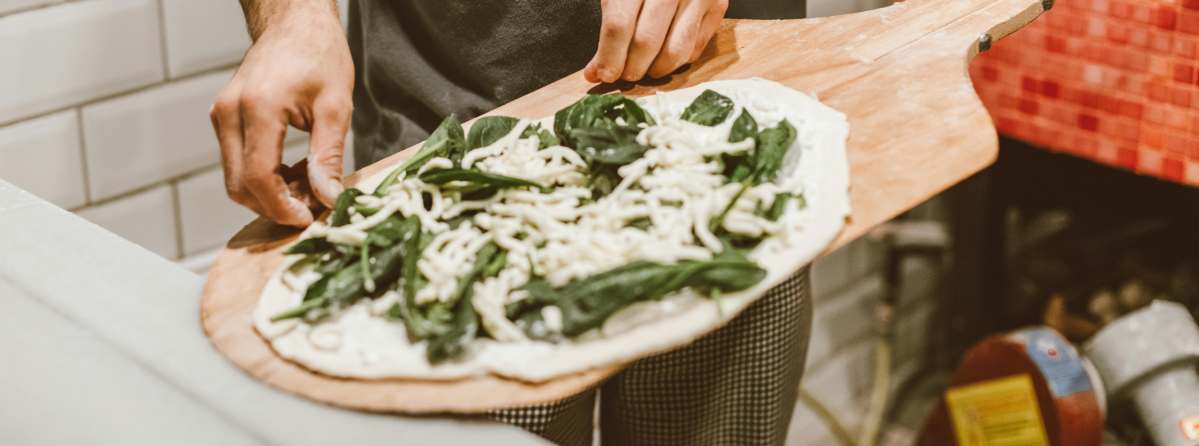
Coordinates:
[916,128]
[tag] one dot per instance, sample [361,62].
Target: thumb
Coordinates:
[326,147]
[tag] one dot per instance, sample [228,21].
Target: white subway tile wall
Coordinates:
[203,34]
[207,217]
[42,156]
[151,136]
[146,218]
[76,52]
[10,6]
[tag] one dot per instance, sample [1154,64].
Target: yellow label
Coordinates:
[999,412]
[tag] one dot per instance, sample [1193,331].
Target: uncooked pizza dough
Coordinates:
[358,343]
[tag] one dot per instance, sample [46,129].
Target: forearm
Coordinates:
[262,15]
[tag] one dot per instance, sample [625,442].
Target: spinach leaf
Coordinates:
[744,127]
[489,129]
[715,223]
[608,144]
[315,245]
[595,110]
[588,302]
[772,148]
[365,210]
[477,179]
[387,233]
[301,310]
[603,179]
[642,223]
[710,108]
[453,343]
[544,137]
[778,207]
[447,141]
[341,211]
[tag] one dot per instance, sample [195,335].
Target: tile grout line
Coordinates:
[146,188]
[130,92]
[34,8]
[87,186]
[176,208]
[162,39]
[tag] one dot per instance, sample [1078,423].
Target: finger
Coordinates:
[226,121]
[326,147]
[619,22]
[653,25]
[681,40]
[591,73]
[707,29]
[264,129]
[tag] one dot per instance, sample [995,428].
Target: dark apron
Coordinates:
[417,61]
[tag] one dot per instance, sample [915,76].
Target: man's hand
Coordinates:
[298,72]
[652,37]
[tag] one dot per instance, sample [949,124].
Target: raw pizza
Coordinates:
[616,229]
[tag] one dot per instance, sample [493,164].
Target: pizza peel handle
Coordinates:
[916,128]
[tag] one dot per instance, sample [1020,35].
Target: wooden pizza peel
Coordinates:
[916,128]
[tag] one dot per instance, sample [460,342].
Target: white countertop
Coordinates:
[100,344]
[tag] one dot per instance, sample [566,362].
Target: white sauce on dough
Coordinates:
[357,342]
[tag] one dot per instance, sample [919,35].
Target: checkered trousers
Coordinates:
[735,386]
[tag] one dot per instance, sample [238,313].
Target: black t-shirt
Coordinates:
[417,61]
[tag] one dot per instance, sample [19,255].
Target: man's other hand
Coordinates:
[652,37]
[299,73]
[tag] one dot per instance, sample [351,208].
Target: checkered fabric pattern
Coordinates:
[1109,80]
[735,386]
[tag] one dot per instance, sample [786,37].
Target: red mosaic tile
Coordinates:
[1131,109]
[1184,72]
[1177,118]
[1161,41]
[1184,46]
[1050,89]
[1139,37]
[1188,22]
[1174,143]
[1181,96]
[1028,107]
[1172,169]
[1155,113]
[1162,66]
[1166,17]
[1142,13]
[1118,33]
[1029,84]
[1129,131]
[1149,162]
[1109,104]
[1158,89]
[1191,176]
[1115,81]
[1120,9]
[1127,158]
[1152,137]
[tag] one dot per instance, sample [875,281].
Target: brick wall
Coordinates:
[104,111]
